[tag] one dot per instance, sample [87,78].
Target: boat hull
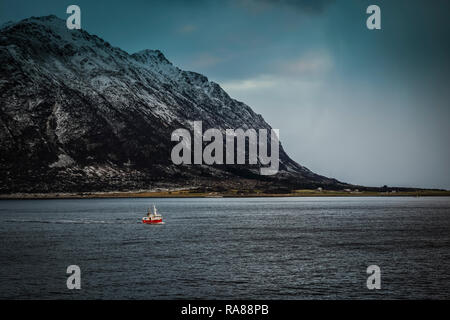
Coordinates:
[145,221]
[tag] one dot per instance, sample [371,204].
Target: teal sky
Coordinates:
[366,107]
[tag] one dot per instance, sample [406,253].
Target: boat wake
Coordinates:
[78,221]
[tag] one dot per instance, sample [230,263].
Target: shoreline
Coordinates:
[187,193]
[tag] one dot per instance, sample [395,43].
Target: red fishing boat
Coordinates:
[152,218]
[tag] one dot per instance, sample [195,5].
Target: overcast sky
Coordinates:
[365,107]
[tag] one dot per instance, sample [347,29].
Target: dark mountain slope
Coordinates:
[77,114]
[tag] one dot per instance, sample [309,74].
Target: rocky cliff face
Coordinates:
[77,114]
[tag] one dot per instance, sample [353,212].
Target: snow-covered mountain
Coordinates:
[77,114]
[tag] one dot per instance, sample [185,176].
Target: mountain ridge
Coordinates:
[80,115]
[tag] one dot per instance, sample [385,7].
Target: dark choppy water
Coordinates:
[272,248]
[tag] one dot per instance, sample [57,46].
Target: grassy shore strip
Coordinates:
[227,194]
